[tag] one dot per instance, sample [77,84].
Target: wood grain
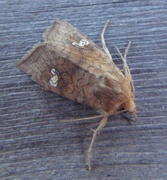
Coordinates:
[34,143]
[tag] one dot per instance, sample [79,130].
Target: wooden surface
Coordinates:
[34,143]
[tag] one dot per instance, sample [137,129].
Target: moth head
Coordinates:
[130,104]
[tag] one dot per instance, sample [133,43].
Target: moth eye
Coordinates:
[54,79]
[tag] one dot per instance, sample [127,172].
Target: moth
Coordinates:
[72,65]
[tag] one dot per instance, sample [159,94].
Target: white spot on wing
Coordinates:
[82,43]
[54,79]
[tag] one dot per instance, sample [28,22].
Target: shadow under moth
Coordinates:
[72,65]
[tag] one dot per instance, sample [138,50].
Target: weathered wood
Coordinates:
[34,143]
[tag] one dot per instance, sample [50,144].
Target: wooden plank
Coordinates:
[34,143]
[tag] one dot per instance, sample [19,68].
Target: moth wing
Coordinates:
[63,36]
[37,62]
[109,90]
[45,63]
[78,67]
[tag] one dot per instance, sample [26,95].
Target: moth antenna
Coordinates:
[81,119]
[125,66]
[103,40]
[95,132]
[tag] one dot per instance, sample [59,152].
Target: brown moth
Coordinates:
[72,65]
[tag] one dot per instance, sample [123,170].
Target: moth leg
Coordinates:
[95,132]
[125,66]
[103,40]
